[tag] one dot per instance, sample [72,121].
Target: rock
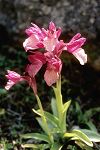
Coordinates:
[71,15]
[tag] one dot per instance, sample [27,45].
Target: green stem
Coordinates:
[44,119]
[59,102]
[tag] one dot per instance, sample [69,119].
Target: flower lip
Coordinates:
[81,56]
[13,78]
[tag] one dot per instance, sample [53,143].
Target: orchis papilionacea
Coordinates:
[52,47]
[45,48]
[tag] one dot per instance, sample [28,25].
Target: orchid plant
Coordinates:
[45,48]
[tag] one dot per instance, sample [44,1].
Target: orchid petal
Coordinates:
[73,46]
[36,56]
[31,42]
[51,76]
[9,84]
[13,78]
[13,75]
[36,60]
[80,55]
[50,43]
[77,36]
[59,48]
[52,26]
[33,69]
[58,32]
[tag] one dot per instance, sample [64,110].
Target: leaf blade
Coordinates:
[36,136]
[94,136]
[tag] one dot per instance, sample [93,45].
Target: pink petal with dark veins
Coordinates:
[31,43]
[51,76]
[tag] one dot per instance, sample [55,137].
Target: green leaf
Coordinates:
[93,136]
[82,145]
[49,117]
[79,135]
[66,106]
[79,112]
[36,136]
[52,119]
[89,113]
[56,146]
[54,107]
[53,123]
[37,112]
[78,108]
[36,146]
[91,126]
[41,124]
[83,137]
[69,135]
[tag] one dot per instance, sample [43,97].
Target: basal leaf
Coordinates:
[36,146]
[83,137]
[69,135]
[78,135]
[36,136]
[93,136]
[83,145]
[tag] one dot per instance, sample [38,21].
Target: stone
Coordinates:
[73,16]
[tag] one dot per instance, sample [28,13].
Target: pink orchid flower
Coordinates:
[53,30]
[51,39]
[35,38]
[54,64]
[31,43]
[41,38]
[53,70]
[37,60]
[14,78]
[53,48]
[74,47]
